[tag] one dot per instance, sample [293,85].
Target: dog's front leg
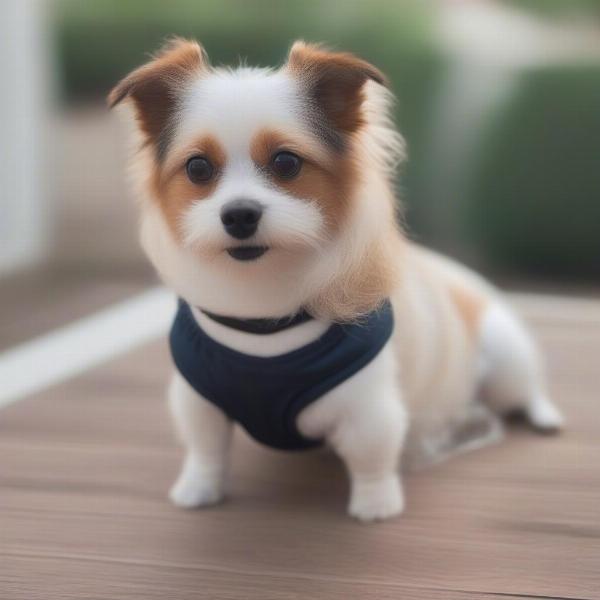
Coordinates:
[364,420]
[369,440]
[206,434]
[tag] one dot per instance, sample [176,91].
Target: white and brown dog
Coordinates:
[267,194]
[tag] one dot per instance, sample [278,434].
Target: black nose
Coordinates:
[240,218]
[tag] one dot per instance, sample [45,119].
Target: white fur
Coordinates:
[512,375]
[206,433]
[364,420]
[430,370]
[234,103]
[287,222]
[234,106]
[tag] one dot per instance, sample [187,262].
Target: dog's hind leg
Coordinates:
[512,378]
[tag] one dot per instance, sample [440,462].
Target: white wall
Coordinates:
[25,218]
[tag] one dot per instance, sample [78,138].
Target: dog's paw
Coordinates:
[196,492]
[544,416]
[376,500]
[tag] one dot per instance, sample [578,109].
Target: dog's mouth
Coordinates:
[246,252]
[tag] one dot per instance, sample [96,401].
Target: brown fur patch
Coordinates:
[334,81]
[365,283]
[470,306]
[153,88]
[324,178]
[171,186]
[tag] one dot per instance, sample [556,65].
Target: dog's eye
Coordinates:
[199,169]
[286,164]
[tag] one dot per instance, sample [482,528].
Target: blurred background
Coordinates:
[498,100]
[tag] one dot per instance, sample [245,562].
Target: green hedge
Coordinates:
[535,198]
[99,41]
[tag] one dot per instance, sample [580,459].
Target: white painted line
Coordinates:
[83,344]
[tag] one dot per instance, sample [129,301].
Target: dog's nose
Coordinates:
[240,218]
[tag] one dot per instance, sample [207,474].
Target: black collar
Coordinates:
[260,326]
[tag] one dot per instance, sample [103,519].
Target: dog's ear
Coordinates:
[334,80]
[154,87]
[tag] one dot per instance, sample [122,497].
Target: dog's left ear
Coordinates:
[335,81]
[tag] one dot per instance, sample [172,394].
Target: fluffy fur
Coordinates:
[458,356]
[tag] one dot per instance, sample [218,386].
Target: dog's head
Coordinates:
[265,190]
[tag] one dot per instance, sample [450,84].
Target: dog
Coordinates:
[305,313]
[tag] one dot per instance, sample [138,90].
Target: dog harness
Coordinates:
[266,394]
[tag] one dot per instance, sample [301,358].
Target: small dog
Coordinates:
[305,313]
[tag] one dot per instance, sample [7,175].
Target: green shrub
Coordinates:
[535,200]
[98,42]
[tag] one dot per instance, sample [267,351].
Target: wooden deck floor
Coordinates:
[85,466]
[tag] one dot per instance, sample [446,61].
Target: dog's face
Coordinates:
[252,172]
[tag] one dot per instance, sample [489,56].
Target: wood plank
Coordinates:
[85,466]
[102,580]
[42,299]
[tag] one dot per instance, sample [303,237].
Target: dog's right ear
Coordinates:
[153,88]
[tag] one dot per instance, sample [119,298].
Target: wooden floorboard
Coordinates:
[42,299]
[85,466]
